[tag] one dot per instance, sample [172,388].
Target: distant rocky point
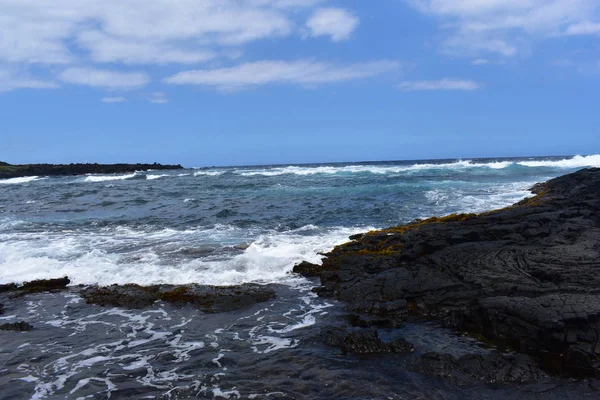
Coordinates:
[17,171]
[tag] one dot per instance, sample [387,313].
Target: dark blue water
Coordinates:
[223,226]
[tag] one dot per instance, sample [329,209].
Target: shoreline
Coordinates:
[8,171]
[524,276]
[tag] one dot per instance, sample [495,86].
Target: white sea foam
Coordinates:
[208,173]
[105,178]
[153,177]
[480,200]
[573,162]
[24,179]
[89,258]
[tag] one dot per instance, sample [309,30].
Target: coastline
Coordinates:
[523,277]
[8,171]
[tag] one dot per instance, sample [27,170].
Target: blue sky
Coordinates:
[235,82]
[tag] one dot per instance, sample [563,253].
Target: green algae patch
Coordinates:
[420,223]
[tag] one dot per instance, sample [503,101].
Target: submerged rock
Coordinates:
[17,327]
[210,299]
[527,276]
[362,341]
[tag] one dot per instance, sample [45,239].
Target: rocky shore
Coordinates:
[524,278]
[208,299]
[17,171]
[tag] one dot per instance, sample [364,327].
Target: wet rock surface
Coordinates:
[37,286]
[527,276]
[491,368]
[210,299]
[362,341]
[21,326]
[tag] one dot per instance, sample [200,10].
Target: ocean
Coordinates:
[226,226]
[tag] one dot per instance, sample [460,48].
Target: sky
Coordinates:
[240,82]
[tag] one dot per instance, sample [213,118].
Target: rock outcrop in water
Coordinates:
[37,286]
[210,299]
[16,171]
[21,326]
[527,276]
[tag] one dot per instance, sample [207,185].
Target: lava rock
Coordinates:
[307,269]
[9,287]
[125,296]
[526,275]
[14,171]
[491,368]
[17,327]
[36,286]
[210,299]
[362,341]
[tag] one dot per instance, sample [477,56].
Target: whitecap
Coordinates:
[105,178]
[24,179]
[153,177]
[573,162]
[208,173]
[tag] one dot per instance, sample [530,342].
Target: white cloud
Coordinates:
[106,49]
[11,80]
[480,61]
[280,72]
[138,31]
[443,84]
[104,78]
[334,22]
[502,26]
[113,99]
[158,98]
[584,28]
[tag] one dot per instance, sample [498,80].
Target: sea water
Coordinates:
[223,226]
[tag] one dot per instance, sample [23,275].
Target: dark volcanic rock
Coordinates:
[37,286]
[307,269]
[17,327]
[1,309]
[9,287]
[362,341]
[491,368]
[210,299]
[126,296]
[14,171]
[45,285]
[527,275]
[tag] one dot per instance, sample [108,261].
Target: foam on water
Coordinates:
[125,255]
[106,178]
[24,179]
[153,177]
[574,162]
[208,173]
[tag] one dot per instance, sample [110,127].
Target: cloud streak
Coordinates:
[504,27]
[107,79]
[443,84]
[11,80]
[113,99]
[268,72]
